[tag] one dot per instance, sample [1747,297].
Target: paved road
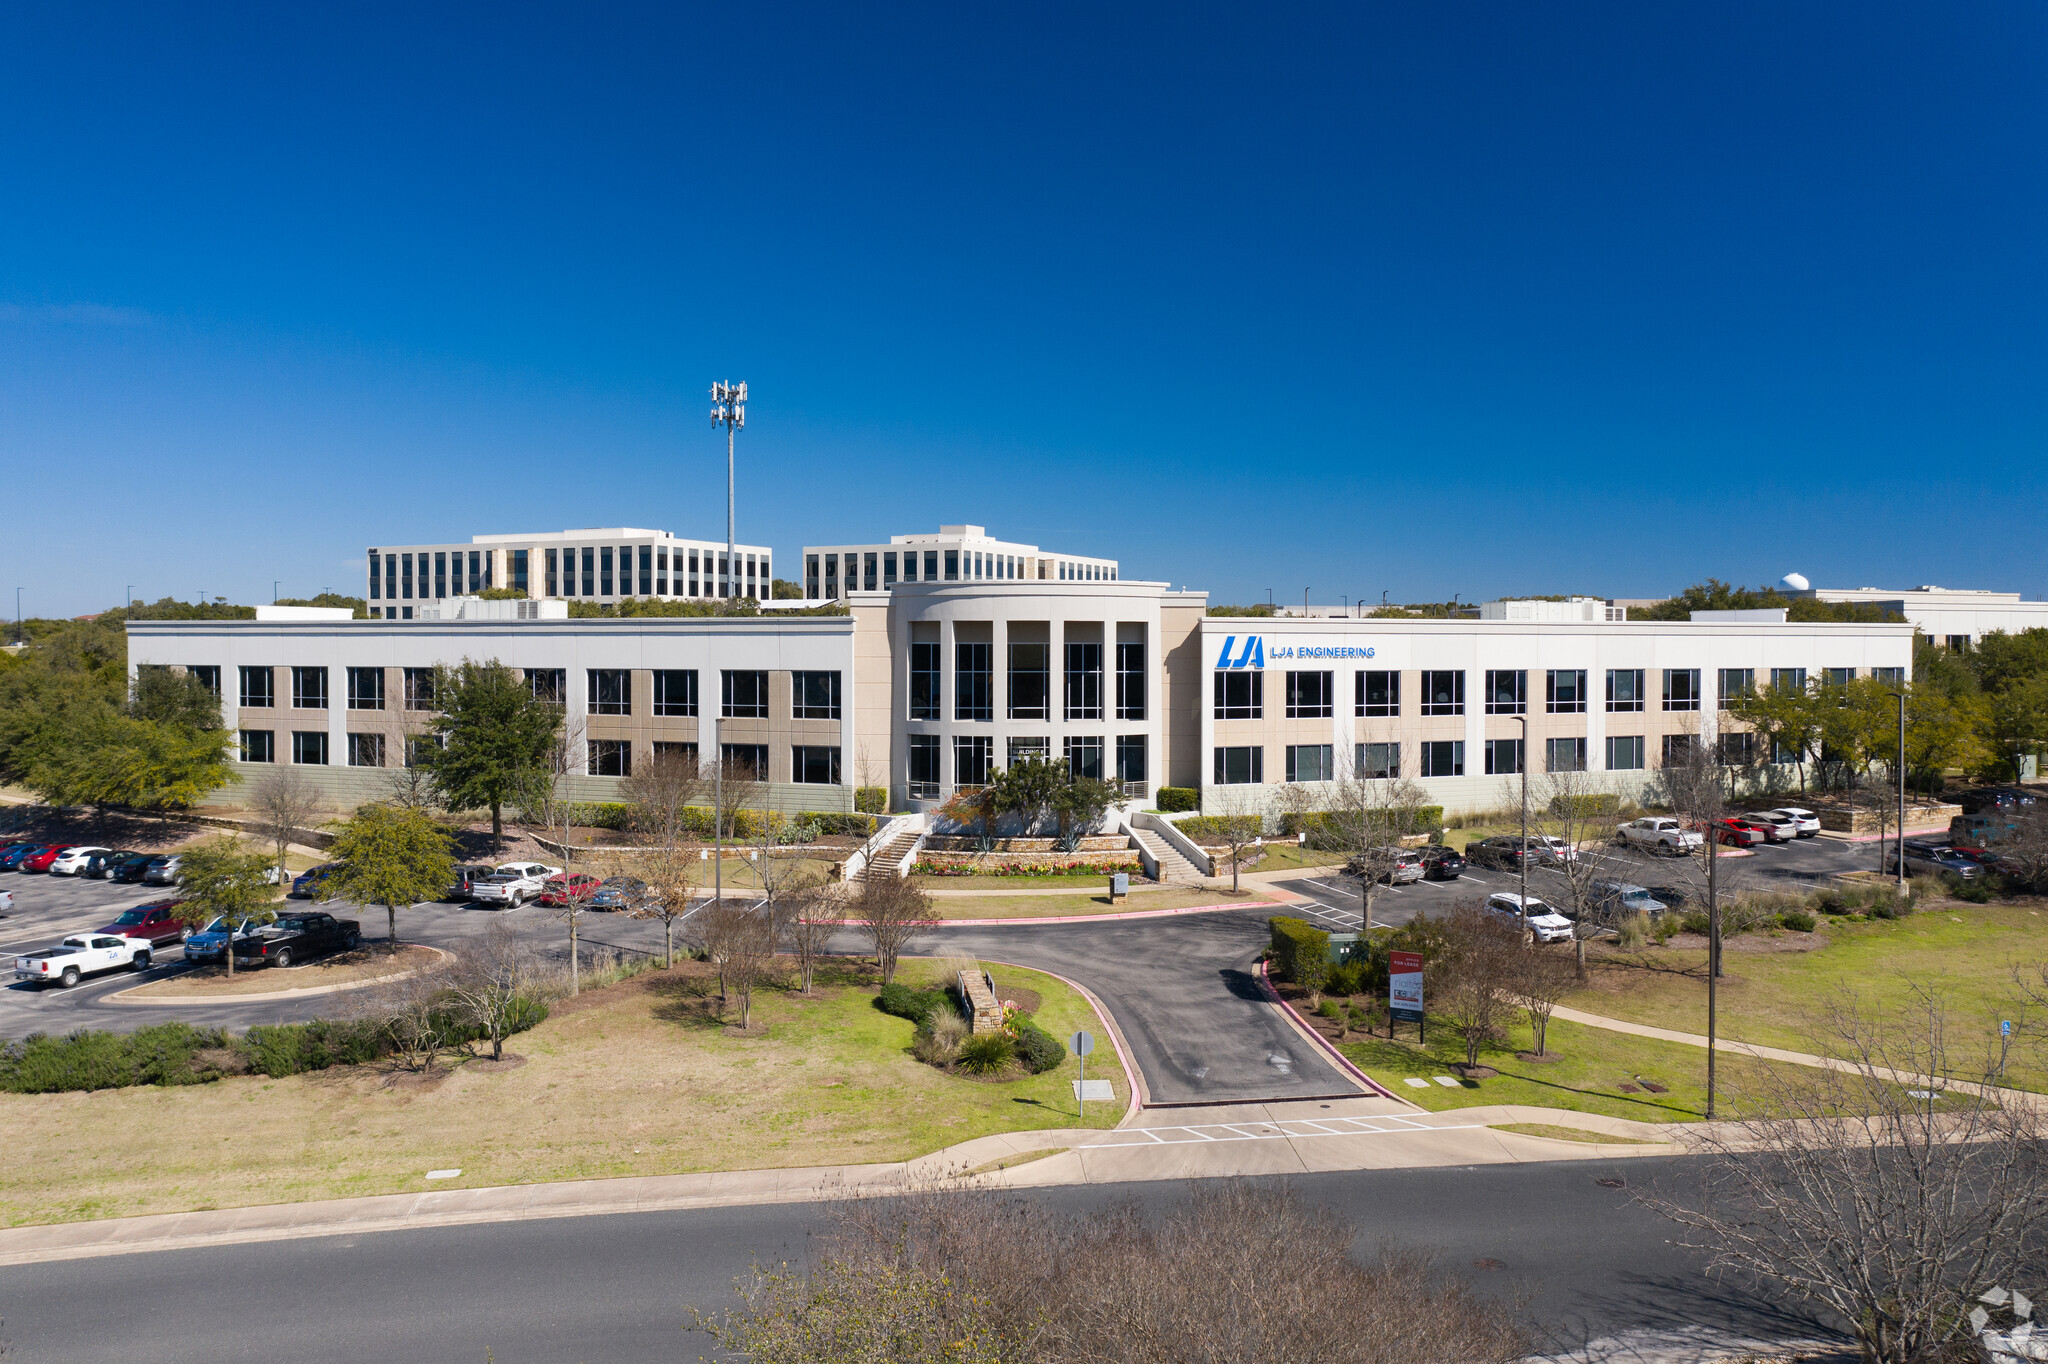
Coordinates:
[616,1289]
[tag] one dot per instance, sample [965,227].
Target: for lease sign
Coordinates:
[1404,986]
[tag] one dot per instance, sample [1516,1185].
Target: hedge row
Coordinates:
[744,823]
[1301,952]
[1174,799]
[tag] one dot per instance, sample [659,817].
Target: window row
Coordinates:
[1240,695]
[1029,694]
[814,695]
[870,570]
[1244,764]
[974,759]
[653,571]
[439,573]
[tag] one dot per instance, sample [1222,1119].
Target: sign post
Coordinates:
[1082,1043]
[1404,992]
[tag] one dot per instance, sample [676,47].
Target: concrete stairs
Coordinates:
[883,864]
[1173,868]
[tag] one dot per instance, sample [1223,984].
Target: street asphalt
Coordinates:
[1589,1262]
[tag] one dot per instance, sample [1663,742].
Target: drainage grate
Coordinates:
[1612,1183]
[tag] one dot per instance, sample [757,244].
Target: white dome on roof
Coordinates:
[1796,581]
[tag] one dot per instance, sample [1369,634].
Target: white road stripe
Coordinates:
[1278,1131]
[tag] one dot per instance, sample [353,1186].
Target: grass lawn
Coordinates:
[636,1079]
[1054,906]
[1592,1065]
[1967,952]
[738,871]
[1289,856]
[1094,879]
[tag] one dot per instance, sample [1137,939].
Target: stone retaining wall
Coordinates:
[1865,819]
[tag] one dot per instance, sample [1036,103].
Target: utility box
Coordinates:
[1119,887]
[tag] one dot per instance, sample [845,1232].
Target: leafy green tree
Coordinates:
[1788,720]
[166,696]
[1029,789]
[218,878]
[390,857]
[495,737]
[2001,660]
[2014,722]
[1942,670]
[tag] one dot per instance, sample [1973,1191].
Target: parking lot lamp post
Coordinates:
[1713,952]
[717,816]
[729,409]
[1523,860]
[1900,869]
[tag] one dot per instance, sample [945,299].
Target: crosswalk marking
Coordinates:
[1283,1129]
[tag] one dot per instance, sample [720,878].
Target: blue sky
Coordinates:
[1416,299]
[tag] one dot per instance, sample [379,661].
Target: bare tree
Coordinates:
[660,794]
[1368,817]
[672,875]
[1540,978]
[284,802]
[739,785]
[809,918]
[567,757]
[892,912]
[409,783]
[1888,1192]
[1238,832]
[411,1015]
[1577,808]
[490,983]
[1475,976]
[739,942]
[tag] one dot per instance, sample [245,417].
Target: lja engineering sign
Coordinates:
[1404,988]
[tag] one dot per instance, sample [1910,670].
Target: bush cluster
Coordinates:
[916,1005]
[1023,868]
[1038,1049]
[1301,952]
[944,1038]
[1174,799]
[873,800]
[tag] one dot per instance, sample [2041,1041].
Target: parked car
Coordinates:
[157,922]
[6,902]
[1735,833]
[1981,830]
[78,957]
[298,936]
[306,885]
[1804,822]
[1440,863]
[74,860]
[575,885]
[2001,798]
[1932,858]
[10,858]
[133,869]
[1616,898]
[466,875]
[1773,829]
[512,884]
[1504,851]
[1551,850]
[210,944]
[1659,834]
[100,866]
[1544,923]
[619,892]
[44,857]
[163,871]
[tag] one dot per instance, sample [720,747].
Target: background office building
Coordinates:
[598,565]
[955,554]
[1955,617]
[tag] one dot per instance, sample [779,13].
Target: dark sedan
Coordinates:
[1932,858]
[1441,863]
[131,869]
[1504,851]
[619,892]
[100,866]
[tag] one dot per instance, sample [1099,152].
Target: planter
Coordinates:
[1118,857]
[967,843]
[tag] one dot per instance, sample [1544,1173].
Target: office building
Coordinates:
[955,554]
[1955,617]
[598,565]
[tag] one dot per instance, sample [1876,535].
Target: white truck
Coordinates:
[81,956]
[1659,835]
[512,884]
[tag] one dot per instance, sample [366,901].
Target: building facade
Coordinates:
[597,565]
[955,554]
[1955,617]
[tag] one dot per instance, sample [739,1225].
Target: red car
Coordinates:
[157,922]
[1735,833]
[1770,833]
[41,859]
[576,885]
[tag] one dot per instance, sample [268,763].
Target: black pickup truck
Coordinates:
[297,937]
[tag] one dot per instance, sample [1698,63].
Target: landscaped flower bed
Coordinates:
[979,867]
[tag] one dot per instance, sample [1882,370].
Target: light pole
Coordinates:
[273,590]
[729,409]
[1522,765]
[128,604]
[1304,603]
[1900,869]
[717,817]
[18,636]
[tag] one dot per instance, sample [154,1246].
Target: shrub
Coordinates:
[1884,911]
[1695,922]
[1350,978]
[1038,1049]
[1201,827]
[986,1054]
[899,999]
[1633,931]
[88,1060]
[1976,891]
[836,822]
[1174,799]
[1329,1008]
[293,1048]
[1799,921]
[873,800]
[1300,952]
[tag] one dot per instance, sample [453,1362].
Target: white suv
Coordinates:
[1805,823]
[1658,834]
[512,884]
[1545,923]
[72,861]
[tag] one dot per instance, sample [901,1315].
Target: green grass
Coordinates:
[1591,1066]
[1556,1133]
[1967,953]
[1289,856]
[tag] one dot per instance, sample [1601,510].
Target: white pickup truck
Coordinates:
[1657,834]
[81,956]
[512,884]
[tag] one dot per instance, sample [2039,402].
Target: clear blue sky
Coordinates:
[1422,299]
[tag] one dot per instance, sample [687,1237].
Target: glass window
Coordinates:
[611,758]
[888,569]
[549,684]
[1677,750]
[1377,693]
[365,750]
[832,577]
[1240,766]
[366,692]
[1735,682]
[441,574]
[924,677]
[1029,746]
[1444,758]
[1309,762]
[390,576]
[376,577]
[1624,752]
[814,765]
[931,565]
[1503,757]
[814,696]
[646,569]
[952,565]
[743,694]
[551,573]
[1891,675]
[1624,689]
[1131,766]
[610,692]
[259,746]
[1084,680]
[972,685]
[1130,679]
[1564,691]
[745,762]
[1376,762]
[675,691]
[604,580]
[590,571]
[1957,644]
[1309,697]
[1837,677]
[924,766]
[1735,750]
[258,688]
[971,759]
[1507,691]
[1240,695]
[519,575]
[1084,756]
[309,747]
[811,579]
[1681,689]
[1443,693]
[407,581]
[1564,755]
[209,676]
[693,575]
[1030,679]
[685,753]
[868,566]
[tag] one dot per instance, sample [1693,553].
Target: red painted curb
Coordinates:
[1343,1061]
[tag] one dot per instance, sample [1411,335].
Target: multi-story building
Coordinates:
[597,565]
[955,554]
[1955,617]
[935,683]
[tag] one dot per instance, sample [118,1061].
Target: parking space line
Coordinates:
[1277,1132]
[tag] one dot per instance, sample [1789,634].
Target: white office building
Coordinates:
[1955,617]
[597,565]
[955,554]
